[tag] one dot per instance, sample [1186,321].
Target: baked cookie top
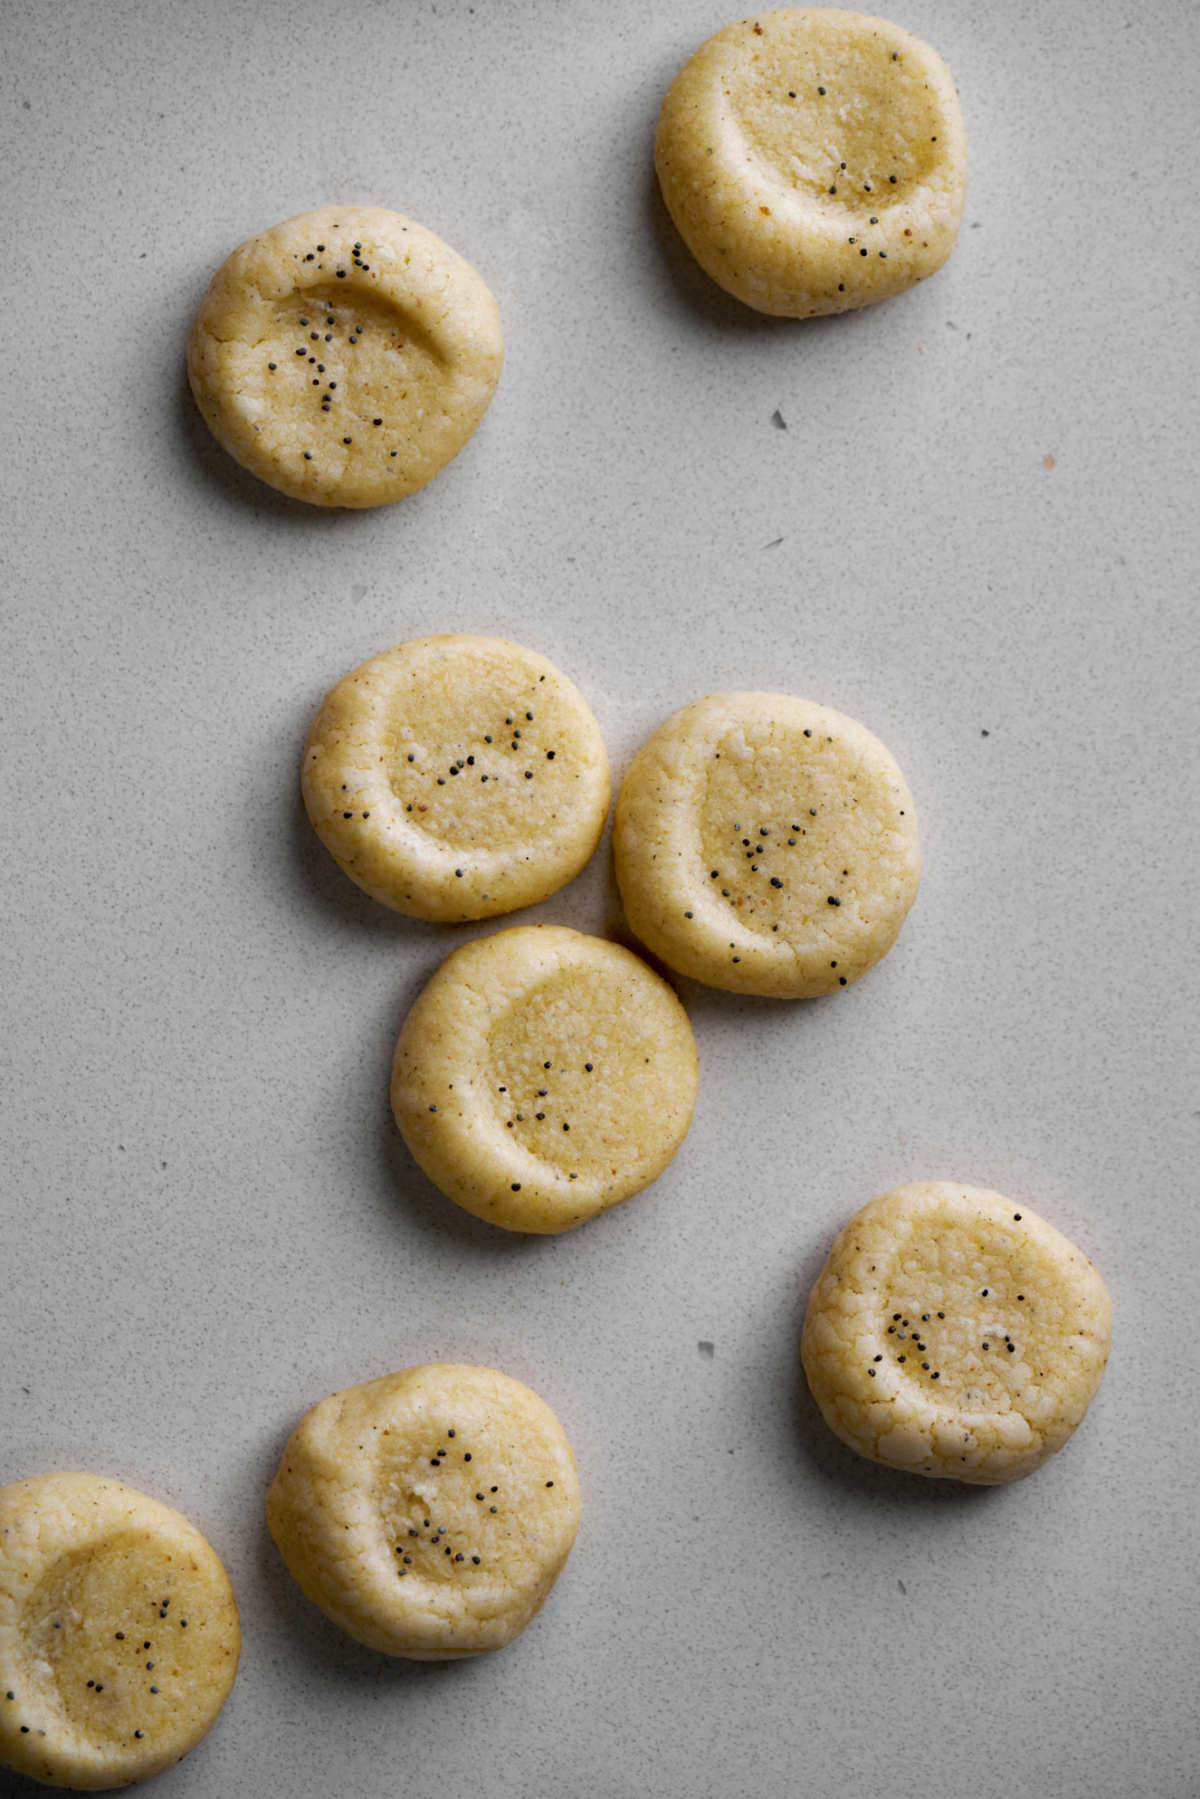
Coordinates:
[954,1333]
[814,160]
[766,844]
[430,1512]
[119,1635]
[345,356]
[543,1076]
[457,777]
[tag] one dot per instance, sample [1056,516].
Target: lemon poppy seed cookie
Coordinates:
[457,777]
[954,1333]
[345,356]
[766,845]
[119,1636]
[813,160]
[543,1076]
[428,1513]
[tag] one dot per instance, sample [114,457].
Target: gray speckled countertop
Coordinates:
[208,1219]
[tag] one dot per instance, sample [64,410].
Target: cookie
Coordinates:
[954,1333]
[428,1513]
[457,777]
[543,1076]
[767,845]
[119,1636]
[814,160]
[345,356]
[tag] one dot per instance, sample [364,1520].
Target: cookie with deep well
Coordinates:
[766,844]
[543,1076]
[814,160]
[119,1635]
[954,1333]
[428,1513]
[345,356]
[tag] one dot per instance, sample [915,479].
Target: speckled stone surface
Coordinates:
[965,517]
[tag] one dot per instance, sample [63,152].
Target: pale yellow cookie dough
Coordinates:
[954,1333]
[766,845]
[814,160]
[543,1076]
[457,777]
[345,356]
[119,1636]
[428,1513]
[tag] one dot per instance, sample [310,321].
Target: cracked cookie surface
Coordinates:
[954,1333]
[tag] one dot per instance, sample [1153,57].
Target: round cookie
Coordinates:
[457,777]
[543,1076]
[954,1333]
[766,845]
[119,1636]
[428,1513]
[813,160]
[345,356]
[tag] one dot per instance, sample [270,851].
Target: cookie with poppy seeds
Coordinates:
[766,844]
[814,160]
[457,777]
[954,1333]
[345,356]
[430,1512]
[119,1635]
[543,1076]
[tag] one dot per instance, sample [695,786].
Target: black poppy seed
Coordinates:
[862,252]
[24,1730]
[1012,1349]
[493,1508]
[441,781]
[320,368]
[820,90]
[302,351]
[871,1372]
[495,1489]
[271,366]
[866,187]
[775,881]
[149,1665]
[152,1689]
[879,1358]
[901,1358]
[791,93]
[983,1292]
[529,774]
[520,1117]
[832,900]
[341,274]
[833,190]
[91,1683]
[1019,1296]
[516,1186]
[935,1375]
[329,337]
[883,255]
[475,1559]
[347,440]
[985,1346]
[1016,1218]
[332,385]
[408,1560]
[841,980]
[145,1645]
